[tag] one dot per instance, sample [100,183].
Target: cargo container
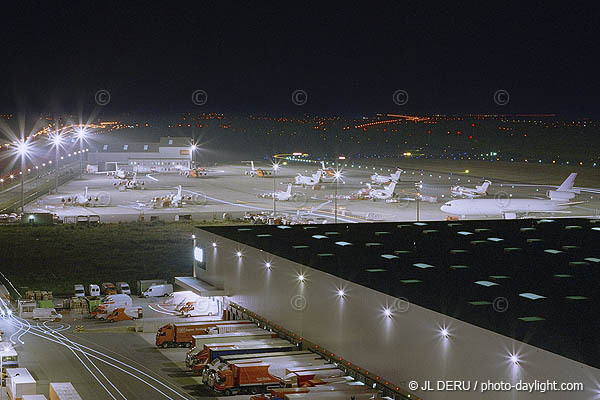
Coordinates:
[223,361]
[181,335]
[63,391]
[34,397]
[19,382]
[245,378]
[125,314]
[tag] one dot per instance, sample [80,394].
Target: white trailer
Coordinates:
[19,382]
[63,391]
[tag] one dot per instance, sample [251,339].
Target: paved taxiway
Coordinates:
[228,190]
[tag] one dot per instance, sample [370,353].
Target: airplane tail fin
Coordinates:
[323,165]
[289,189]
[567,185]
[317,175]
[391,187]
[484,186]
[179,190]
[252,165]
[396,175]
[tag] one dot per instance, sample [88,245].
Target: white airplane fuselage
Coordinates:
[486,207]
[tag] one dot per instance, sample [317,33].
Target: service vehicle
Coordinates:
[245,378]
[125,314]
[46,314]
[108,288]
[94,290]
[79,291]
[144,284]
[123,288]
[159,290]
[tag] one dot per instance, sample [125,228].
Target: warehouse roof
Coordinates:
[533,280]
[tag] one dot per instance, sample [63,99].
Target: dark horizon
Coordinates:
[449,59]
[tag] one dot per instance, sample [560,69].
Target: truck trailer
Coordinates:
[223,361]
[277,366]
[181,335]
[211,352]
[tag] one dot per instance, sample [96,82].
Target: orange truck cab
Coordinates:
[253,378]
[108,288]
[125,314]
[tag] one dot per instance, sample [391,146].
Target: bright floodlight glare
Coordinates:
[56,139]
[214,244]
[276,166]
[301,278]
[514,359]
[340,292]
[444,332]
[387,312]
[80,132]
[239,254]
[23,148]
[193,236]
[268,265]
[194,147]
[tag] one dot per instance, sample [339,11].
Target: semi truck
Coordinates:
[181,335]
[277,365]
[223,361]
[280,393]
[301,378]
[213,351]
[199,351]
[245,378]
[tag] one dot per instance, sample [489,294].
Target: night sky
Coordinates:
[250,56]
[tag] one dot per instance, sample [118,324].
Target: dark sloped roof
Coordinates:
[490,273]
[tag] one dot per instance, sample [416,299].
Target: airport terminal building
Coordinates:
[164,156]
[471,302]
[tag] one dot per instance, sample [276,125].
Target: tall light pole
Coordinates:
[193,149]
[23,149]
[80,133]
[275,169]
[337,176]
[56,140]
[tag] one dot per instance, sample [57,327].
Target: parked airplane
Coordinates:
[480,190]
[312,180]
[117,173]
[565,191]
[280,195]
[258,172]
[327,172]
[507,208]
[383,179]
[132,183]
[171,200]
[383,194]
[82,199]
